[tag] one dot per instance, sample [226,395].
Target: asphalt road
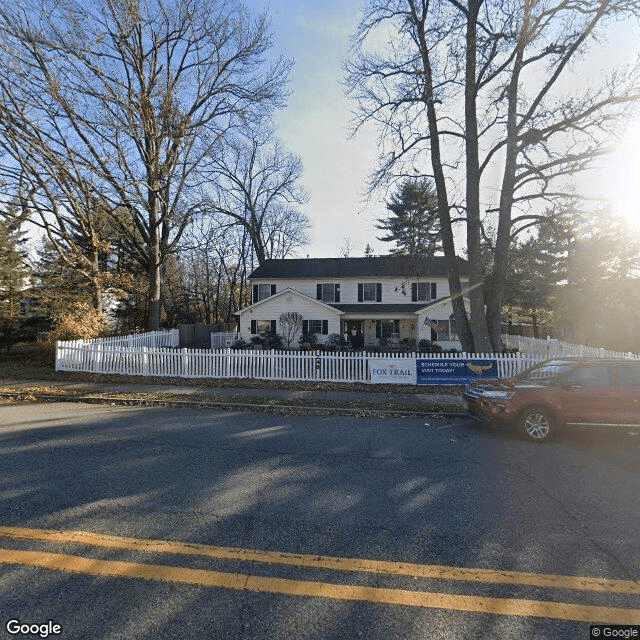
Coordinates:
[420,502]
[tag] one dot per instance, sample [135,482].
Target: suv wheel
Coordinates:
[536,423]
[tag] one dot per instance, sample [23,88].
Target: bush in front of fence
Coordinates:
[79,322]
[267,340]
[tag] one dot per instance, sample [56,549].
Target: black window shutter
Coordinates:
[360,292]
[433,291]
[378,329]
[305,326]
[255,293]
[325,327]
[337,293]
[414,292]
[254,327]
[319,292]
[273,325]
[434,336]
[273,289]
[379,292]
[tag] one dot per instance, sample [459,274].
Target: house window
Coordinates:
[315,326]
[387,328]
[370,292]
[262,291]
[328,292]
[260,326]
[423,291]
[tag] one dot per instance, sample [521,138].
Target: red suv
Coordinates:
[565,391]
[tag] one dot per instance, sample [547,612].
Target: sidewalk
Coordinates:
[336,400]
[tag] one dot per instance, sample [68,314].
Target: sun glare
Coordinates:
[620,181]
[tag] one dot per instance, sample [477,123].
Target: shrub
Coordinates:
[335,341]
[79,322]
[309,338]
[427,346]
[240,344]
[267,340]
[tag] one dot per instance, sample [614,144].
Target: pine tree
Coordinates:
[13,281]
[413,221]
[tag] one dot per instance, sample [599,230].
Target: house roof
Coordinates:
[379,266]
[374,308]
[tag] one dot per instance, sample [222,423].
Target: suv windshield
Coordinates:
[547,371]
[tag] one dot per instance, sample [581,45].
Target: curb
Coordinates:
[234,406]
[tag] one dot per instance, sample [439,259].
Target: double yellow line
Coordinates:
[207,578]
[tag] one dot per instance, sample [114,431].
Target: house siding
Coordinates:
[394,290]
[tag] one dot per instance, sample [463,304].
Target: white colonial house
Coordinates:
[374,301]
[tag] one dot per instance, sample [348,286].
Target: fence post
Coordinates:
[145,361]
[96,350]
[185,362]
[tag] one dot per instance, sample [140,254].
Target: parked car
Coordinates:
[559,392]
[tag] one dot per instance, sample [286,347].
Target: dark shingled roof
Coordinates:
[380,308]
[389,266]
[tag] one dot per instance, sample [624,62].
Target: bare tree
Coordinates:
[127,100]
[468,88]
[346,248]
[257,187]
[216,267]
[291,325]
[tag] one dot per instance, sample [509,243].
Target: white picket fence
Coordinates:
[169,338]
[551,348]
[108,358]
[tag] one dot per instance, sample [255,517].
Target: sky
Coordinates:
[315,126]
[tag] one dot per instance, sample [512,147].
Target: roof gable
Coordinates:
[379,266]
[288,291]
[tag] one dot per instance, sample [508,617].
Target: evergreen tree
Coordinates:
[536,267]
[57,285]
[413,220]
[13,281]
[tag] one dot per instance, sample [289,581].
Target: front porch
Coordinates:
[397,334]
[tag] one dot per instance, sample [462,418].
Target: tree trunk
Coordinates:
[481,341]
[153,322]
[503,240]
[444,215]
[155,273]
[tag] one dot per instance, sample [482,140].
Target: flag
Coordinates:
[432,323]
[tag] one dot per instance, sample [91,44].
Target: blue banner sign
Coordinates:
[454,371]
